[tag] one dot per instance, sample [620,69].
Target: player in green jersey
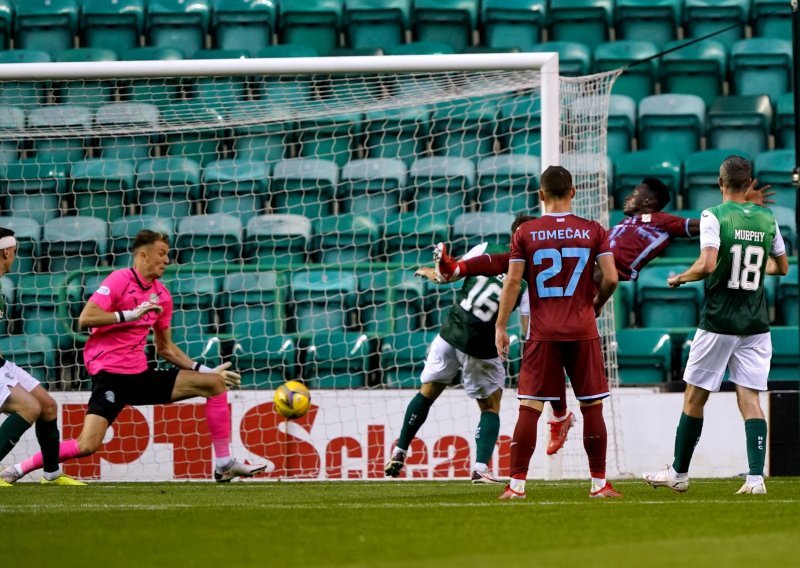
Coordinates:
[464,343]
[737,240]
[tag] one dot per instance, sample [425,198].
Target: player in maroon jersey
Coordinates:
[556,254]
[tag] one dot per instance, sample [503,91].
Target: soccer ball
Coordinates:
[292,399]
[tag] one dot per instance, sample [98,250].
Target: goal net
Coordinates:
[299,196]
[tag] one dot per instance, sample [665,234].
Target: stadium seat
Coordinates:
[644,356]
[355,52]
[315,23]
[775,168]
[621,124]
[273,240]
[33,189]
[235,187]
[397,132]
[762,66]
[193,323]
[7,298]
[372,24]
[304,186]
[658,305]
[439,300]
[345,238]
[168,187]
[6,22]
[179,24]
[157,91]
[583,21]
[772,18]
[334,138]
[336,360]
[390,301]
[451,22]
[656,21]
[685,248]
[624,301]
[46,25]
[574,58]
[422,48]
[102,187]
[784,121]
[88,93]
[373,187]
[263,142]
[28,233]
[219,93]
[702,17]
[265,362]
[583,167]
[785,358]
[34,353]
[403,358]
[122,233]
[120,117]
[23,94]
[209,238]
[672,123]
[787,224]
[513,23]
[39,304]
[113,25]
[697,69]
[701,178]
[74,243]
[203,144]
[409,238]
[741,122]
[637,81]
[788,309]
[630,169]
[471,229]
[12,119]
[520,127]
[244,24]
[508,183]
[441,186]
[465,128]
[324,300]
[285,89]
[58,121]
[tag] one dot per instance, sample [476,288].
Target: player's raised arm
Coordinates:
[508,300]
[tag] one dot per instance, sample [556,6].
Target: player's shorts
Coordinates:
[747,357]
[10,376]
[481,377]
[111,392]
[544,362]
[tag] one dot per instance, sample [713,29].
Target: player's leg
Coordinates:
[561,423]
[22,411]
[48,436]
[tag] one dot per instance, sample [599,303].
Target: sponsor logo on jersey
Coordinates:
[104,291]
[110,396]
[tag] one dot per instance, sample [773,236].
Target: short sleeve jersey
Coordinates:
[745,235]
[639,239]
[559,251]
[119,348]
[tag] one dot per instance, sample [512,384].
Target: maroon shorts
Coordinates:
[544,363]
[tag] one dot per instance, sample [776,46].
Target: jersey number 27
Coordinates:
[555,256]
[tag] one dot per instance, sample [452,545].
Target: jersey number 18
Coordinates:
[746,277]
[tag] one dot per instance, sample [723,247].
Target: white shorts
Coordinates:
[746,357]
[481,377]
[11,376]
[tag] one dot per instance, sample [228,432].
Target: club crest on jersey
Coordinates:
[110,396]
[154,298]
[647,218]
[104,291]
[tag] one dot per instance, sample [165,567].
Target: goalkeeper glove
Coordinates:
[137,312]
[232,378]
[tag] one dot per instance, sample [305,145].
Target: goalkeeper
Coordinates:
[120,314]
[465,344]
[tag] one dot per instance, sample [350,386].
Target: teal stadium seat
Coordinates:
[439,300]
[784,121]
[6,22]
[168,187]
[762,66]
[88,93]
[316,23]
[179,24]
[788,309]
[113,25]
[193,298]
[465,128]
[743,122]
[102,187]
[244,24]
[46,25]
[260,142]
[157,91]
[630,169]
[451,22]
[697,69]
[701,178]
[235,187]
[273,240]
[624,301]
[508,183]
[346,238]
[787,224]
[403,358]
[7,294]
[60,145]
[644,356]
[785,358]
[210,238]
[328,137]
[397,132]
[266,362]
[583,167]
[285,89]
[33,189]
[39,303]
[23,94]
[574,58]
[772,18]
[34,353]
[28,234]
[373,187]
[12,119]
[74,243]
[120,118]
[638,81]
[658,305]
[520,125]
[656,21]
[621,124]
[442,186]
[336,360]
[672,123]
[775,168]
[471,229]
[390,301]
[702,17]
[583,21]
[409,238]
[324,300]
[203,144]
[122,233]
[355,52]
[304,186]
[422,48]
[371,24]
[513,23]
[685,248]
[218,93]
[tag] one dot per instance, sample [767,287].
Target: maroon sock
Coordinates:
[595,439]
[524,441]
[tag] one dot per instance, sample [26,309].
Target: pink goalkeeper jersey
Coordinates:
[119,348]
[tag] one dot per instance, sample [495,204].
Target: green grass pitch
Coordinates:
[397,524]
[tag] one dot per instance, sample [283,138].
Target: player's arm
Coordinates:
[93,315]
[702,267]
[777,263]
[693,227]
[609,278]
[508,299]
[169,350]
[759,195]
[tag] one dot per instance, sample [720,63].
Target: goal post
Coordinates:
[299,195]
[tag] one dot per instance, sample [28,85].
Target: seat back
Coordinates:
[316,23]
[113,25]
[508,183]
[371,24]
[168,187]
[674,123]
[743,122]
[28,232]
[178,24]
[402,358]
[442,186]
[243,24]
[696,69]
[513,23]
[122,233]
[277,239]
[236,187]
[74,243]
[46,25]
[304,186]
[324,300]
[209,238]
[102,187]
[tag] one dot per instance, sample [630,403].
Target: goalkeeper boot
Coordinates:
[395,465]
[558,433]
[484,477]
[10,474]
[667,477]
[509,494]
[62,480]
[604,492]
[446,267]
[236,469]
[753,488]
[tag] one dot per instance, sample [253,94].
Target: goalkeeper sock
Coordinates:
[48,437]
[595,439]
[68,449]
[755,430]
[11,431]
[686,437]
[523,442]
[486,436]
[218,417]
[416,414]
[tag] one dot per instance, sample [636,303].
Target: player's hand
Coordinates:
[139,311]
[232,378]
[502,342]
[759,195]
[427,272]
[598,308]
[674,281]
